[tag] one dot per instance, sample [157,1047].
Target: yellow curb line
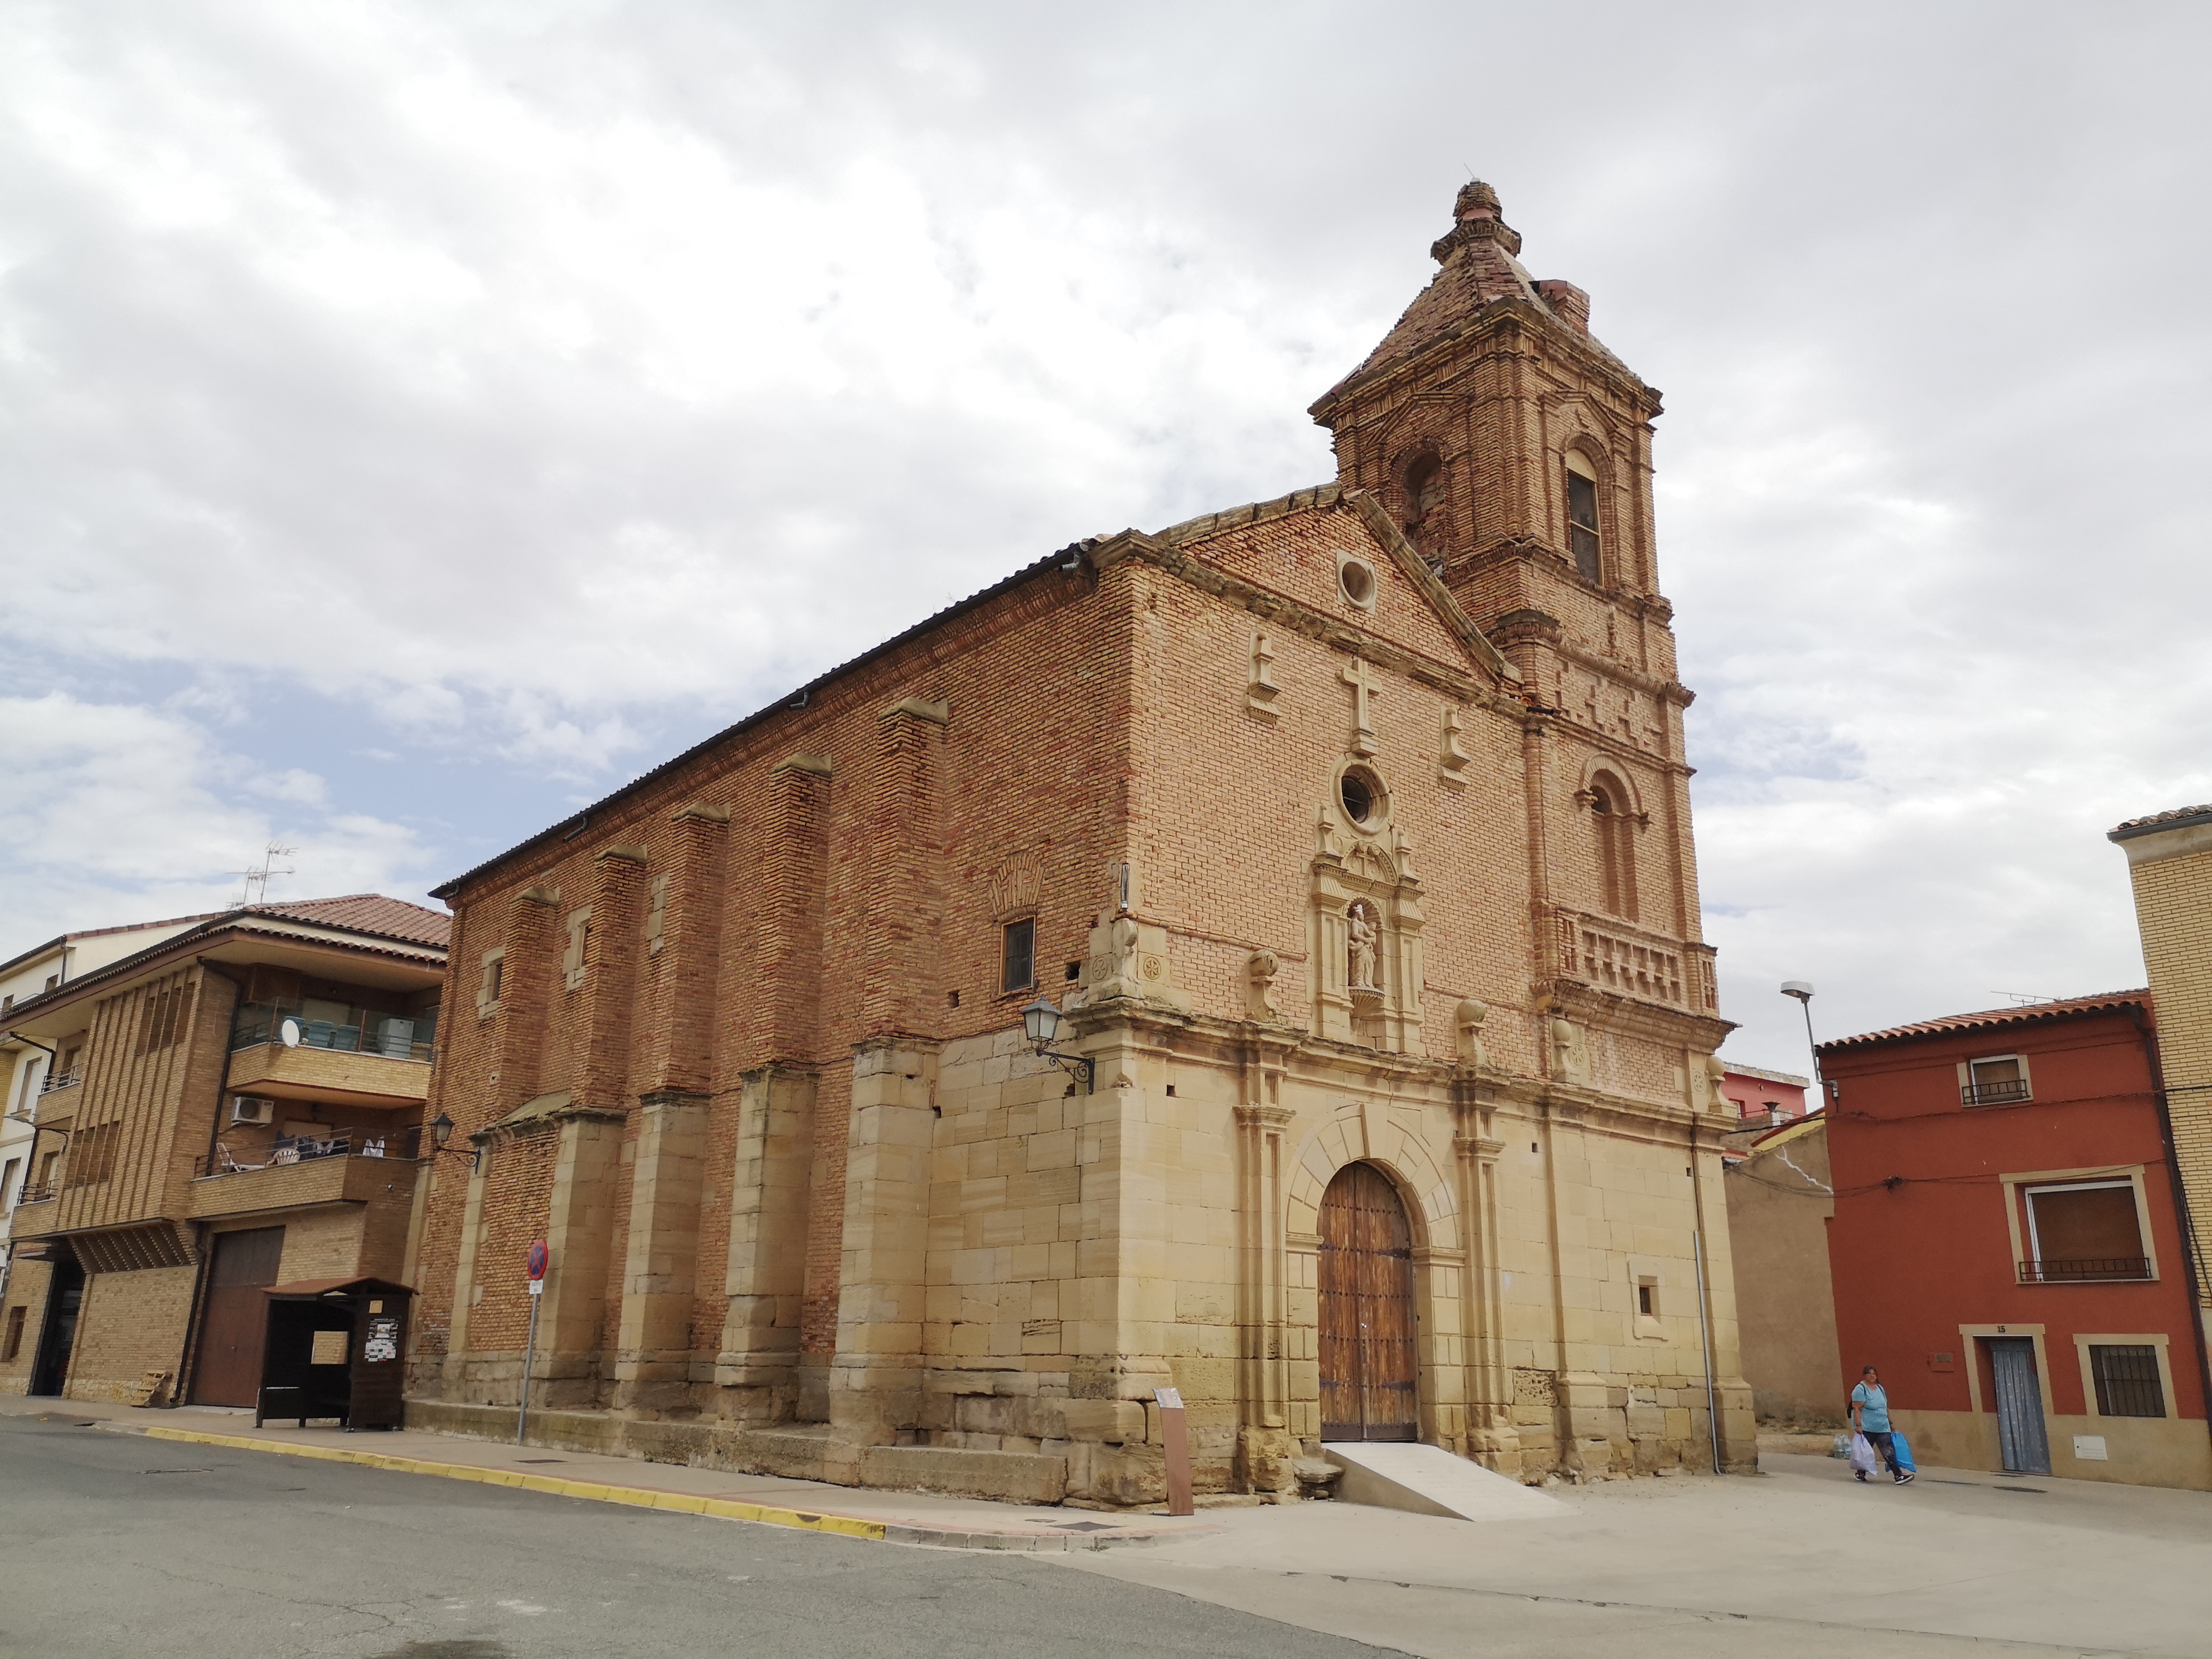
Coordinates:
[637,1496]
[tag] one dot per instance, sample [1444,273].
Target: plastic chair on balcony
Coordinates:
[226,1164]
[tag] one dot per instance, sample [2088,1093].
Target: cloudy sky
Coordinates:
[417,419]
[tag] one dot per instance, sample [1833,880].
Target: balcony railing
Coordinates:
[2087,1270]
[391,1035]
[38,1193]
[1989,1094]
[305,1149]
[60,1080]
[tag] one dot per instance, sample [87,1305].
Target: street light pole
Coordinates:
[1802,991]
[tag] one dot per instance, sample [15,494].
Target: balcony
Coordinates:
[361,1031]
[2090,1270]
[340,1171]
[1610,954]
[335,1074]
[1991,1094]
[54,1082]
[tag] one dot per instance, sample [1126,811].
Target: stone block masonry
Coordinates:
[1346,829]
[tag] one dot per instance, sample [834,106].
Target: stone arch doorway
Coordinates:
[1370,1364]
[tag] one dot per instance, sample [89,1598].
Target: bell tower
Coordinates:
[1516,452]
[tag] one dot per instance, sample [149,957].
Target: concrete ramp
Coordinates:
[1429,1480]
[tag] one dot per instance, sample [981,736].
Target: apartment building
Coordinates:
[232,1104]
[25,1066]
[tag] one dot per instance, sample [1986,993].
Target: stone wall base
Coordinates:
[797,1451]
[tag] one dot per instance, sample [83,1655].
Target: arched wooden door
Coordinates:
[1369,1387]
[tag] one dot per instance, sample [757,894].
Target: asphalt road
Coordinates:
[115,1546]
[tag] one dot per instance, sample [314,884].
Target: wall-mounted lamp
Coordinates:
[441,1128]
[1042,1023]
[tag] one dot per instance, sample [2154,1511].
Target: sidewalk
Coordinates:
[1800,1558]
[899,1517]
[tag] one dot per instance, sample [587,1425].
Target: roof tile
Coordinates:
[2033,1013]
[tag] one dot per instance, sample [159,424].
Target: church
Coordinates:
[1259,956]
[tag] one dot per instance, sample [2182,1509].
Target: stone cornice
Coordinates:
[1498,328]
[1167,1031]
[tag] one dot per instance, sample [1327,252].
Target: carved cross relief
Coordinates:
[1260,694]
[1451,766]
[1365,688]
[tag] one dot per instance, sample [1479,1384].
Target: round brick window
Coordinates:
[1357,577]
[1361,792]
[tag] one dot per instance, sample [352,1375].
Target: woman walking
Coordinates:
[1870,1417]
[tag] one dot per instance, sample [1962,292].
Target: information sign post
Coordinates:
[1174,1440]
[535,1264]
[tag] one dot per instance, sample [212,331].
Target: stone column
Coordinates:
[652,1350]
[579,1234]
[767,1272]
[1492,1439]
[455,1382]
[875,1379]
[1264,1441]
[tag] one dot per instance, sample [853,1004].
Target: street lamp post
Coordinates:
[1802,991]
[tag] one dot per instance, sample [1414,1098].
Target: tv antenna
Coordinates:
[253,880]
[2027,998]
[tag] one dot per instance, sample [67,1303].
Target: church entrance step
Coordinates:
[1429,1480]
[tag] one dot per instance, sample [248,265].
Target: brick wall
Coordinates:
[2171,872]
[130,1323]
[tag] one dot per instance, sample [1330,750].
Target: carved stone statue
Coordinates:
[1362,950]
[1260,987]
[1468,1029]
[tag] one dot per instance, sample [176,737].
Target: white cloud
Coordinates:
[118,813]
[536,386]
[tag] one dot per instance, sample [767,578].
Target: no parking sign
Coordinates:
[536,1263]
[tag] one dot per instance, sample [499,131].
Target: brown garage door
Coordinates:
[1368,1387]
[229,1369]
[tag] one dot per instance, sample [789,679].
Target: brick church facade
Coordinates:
[1350,831]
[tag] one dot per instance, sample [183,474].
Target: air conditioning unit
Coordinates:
[252,1108]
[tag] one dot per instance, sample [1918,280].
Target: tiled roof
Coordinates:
[2034,1013]
[2174,820]
[369,912]
[1479,269]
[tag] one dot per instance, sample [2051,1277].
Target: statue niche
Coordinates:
[1366,919]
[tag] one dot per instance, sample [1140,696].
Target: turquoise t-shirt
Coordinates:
[1874,1408]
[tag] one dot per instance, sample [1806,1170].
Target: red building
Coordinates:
[2007,1244]
[1769,1097]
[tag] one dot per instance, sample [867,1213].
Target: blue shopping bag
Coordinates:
[1901,1448]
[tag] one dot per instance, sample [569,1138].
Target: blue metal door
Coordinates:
[2020,1406]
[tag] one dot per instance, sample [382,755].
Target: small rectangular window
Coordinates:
[1582,526]
[1992,1082]
[2127,1380]
[7,1183]
[12,1344]
[1019,958]
[2082,1232]
[494,964]
[1647,1300]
